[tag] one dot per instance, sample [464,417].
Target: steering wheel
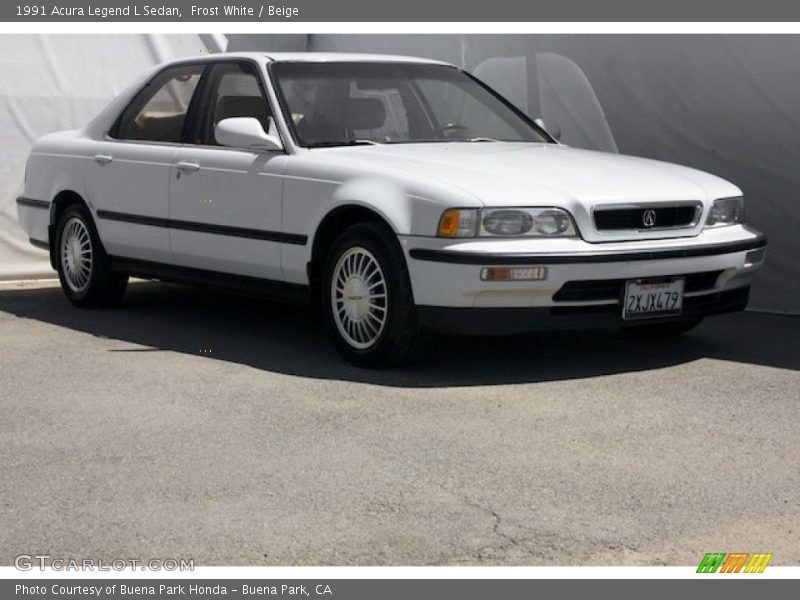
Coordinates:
[442,129]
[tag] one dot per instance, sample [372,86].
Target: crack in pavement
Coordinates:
[509,540]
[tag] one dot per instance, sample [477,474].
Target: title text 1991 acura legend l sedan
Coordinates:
[396,195]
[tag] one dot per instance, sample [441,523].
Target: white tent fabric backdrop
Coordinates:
[725,104]
[55,82]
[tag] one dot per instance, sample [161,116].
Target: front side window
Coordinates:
[158,112]
[233,90]
[331,104]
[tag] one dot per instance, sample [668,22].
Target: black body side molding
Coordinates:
[242,232]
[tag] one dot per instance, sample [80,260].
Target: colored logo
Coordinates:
[734,562]
[649,218]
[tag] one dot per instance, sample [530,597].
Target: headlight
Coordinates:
[725,211]
[506,222]
[554,222]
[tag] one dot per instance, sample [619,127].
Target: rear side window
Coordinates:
[158,113]
[233,90]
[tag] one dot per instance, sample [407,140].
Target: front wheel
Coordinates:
[367,297]
[82,263]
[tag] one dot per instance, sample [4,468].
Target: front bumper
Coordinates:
[584,281]
[505,321]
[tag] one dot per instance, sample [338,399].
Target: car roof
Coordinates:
[345,57]
[314,57]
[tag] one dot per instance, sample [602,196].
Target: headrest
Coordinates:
[364,113]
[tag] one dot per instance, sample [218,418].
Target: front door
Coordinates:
[225,203]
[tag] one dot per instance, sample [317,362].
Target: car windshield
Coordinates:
[350,103]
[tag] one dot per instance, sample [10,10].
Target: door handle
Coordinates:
[187,166]
[103,158]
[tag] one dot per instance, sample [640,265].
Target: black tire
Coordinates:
[400,339]
[668,329]
[96,286]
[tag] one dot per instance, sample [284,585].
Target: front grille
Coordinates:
[611,289]
[613,219]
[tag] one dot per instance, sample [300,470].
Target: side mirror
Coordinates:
[245,132]
[554,131]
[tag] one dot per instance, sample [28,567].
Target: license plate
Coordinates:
[652,298]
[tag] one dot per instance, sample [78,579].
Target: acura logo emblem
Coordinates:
[649,218]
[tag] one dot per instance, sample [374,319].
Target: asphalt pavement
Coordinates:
[189,423]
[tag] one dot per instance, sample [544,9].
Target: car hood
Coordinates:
[517,174]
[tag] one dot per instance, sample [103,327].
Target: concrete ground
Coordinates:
[193,424]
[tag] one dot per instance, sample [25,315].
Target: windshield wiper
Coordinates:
[331,144]
[483,139]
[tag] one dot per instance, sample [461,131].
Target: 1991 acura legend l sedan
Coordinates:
[396,195]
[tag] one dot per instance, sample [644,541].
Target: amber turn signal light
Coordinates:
[457,222]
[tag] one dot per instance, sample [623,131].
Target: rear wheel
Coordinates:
[670,329]
[367,299]
[83,265]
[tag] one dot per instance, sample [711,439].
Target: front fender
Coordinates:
[408,211]
[386,198]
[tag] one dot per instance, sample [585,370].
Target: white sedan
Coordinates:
[394,195]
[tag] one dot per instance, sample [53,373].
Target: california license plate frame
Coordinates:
[652,298]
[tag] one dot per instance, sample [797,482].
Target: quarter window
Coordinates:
[158,113]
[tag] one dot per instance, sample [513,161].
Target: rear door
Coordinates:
[225,203]
[128,177]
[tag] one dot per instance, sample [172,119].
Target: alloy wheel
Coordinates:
[359,298]
[76,254]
